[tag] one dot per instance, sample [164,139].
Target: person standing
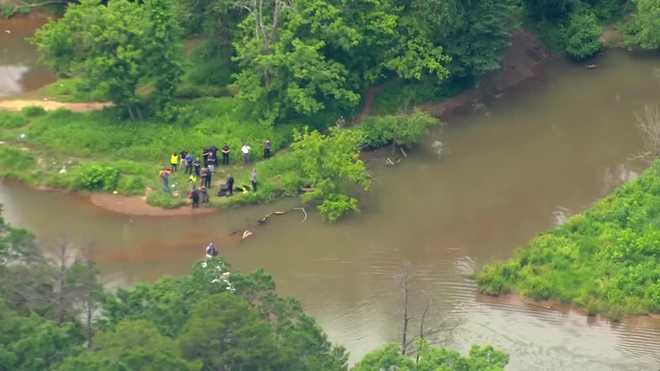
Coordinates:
[189,163]
[225,154]
[205,157]
[196,166]
[212,160]
[205,176]
[253,179]
[165,179]
[245,150]
[268,147]
[230,185]
[204,196]
[174,161]
[194,196]
[182,160]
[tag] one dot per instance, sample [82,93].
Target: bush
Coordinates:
[402,130]
[11,120]
[583,36]
[165,200]
[131,185]
[94,177]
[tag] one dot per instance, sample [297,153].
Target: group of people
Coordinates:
[203,171]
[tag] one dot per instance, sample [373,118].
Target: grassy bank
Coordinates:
[605,260]
[100,152]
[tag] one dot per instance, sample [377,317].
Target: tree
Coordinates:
[331,165]
[225,334]
[131,345]
[32,343]
[281,55]
[432,359]
[474,34]
[583,36]
[644,27]
[117,46]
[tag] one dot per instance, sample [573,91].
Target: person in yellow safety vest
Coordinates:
[174,161]
[193,179]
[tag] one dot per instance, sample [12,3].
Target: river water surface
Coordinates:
[516,165]
[19,70]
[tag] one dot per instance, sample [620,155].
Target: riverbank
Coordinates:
[605,260]
[60,134]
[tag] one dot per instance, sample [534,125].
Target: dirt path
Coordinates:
[19,104]
[137,206]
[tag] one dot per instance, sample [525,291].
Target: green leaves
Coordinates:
[331,166]
[644,28]
[117,45]
[583,36]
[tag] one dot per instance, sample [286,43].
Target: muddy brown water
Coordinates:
[19,70]
[516,165]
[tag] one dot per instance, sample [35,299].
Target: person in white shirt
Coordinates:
[245,150]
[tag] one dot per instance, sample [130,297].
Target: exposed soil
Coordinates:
[521,62]
[18,104]
[138,206]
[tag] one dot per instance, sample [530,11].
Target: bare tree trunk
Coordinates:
[405,319]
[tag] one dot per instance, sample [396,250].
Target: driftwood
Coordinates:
[267,218]
[45,3]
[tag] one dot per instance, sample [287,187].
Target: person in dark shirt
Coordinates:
[230,185]
[225,154]
[194,196]
[197,167]
[268,147]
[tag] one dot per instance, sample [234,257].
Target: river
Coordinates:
[19,70]
[516,165]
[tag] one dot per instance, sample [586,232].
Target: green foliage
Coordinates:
[12,120]
[116,46]
[76,90]
[210,336]
[31,343]
[165,200]
[583,36]
[401,130]
[331,165]
[643,30]
[400,96]
[131,345]
[606,260]
[32,111]
[16,164]
[96,177]
[336,206]
[429,358]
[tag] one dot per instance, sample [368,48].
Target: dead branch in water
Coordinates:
[303,211]
[45,3]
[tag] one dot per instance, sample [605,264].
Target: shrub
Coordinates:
[95,177]
[583,36]
[402,130]
[131,185]
[165,200]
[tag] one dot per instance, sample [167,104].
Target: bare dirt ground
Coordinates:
[137,206]
[19,104]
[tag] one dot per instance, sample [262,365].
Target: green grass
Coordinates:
[73,90]
[606,260]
